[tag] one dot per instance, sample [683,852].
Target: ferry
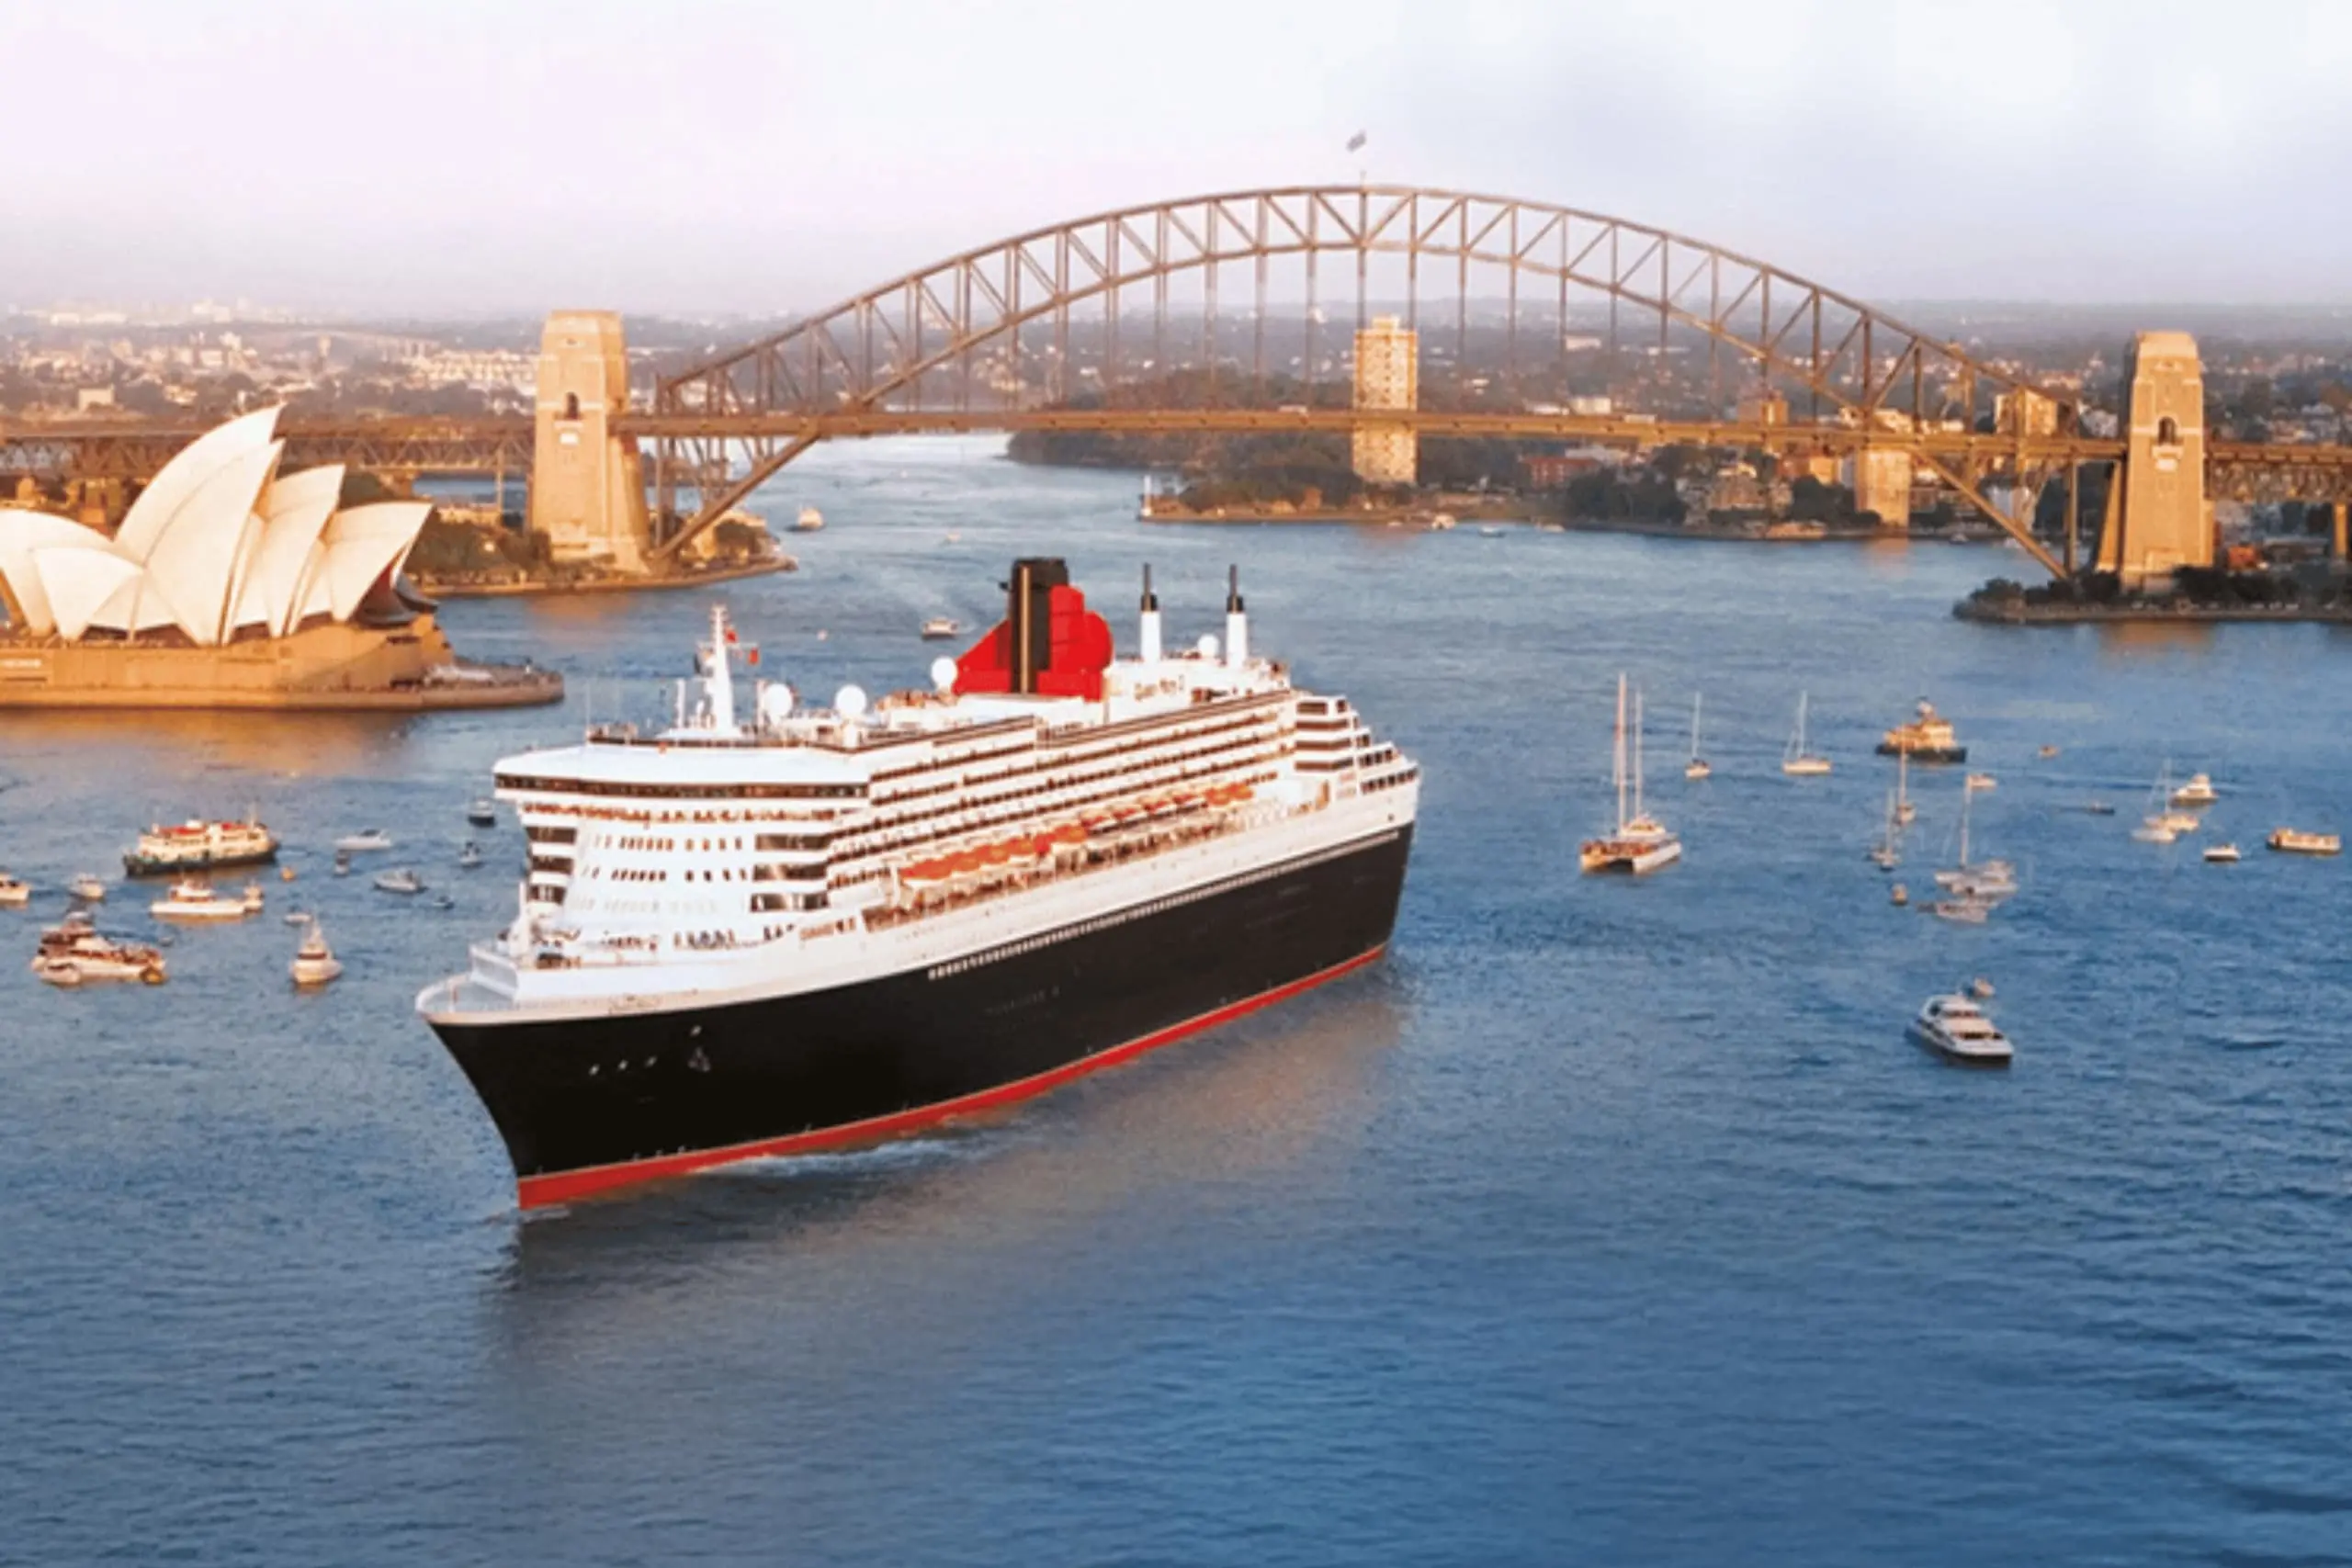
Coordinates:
[2294,841]
[199,846]
[1956,1030]
[769,928]
[1927,738]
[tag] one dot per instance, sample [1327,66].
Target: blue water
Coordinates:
[1606,1222]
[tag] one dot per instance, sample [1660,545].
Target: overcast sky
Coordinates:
[487,155]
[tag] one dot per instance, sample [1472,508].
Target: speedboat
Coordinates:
[2155,830]
[1982,781]
[2097,808]
[366,838]
[1967,910]
[2294,841]
[87,887]
[314,961]
[342,863]
[482,813]
[940,628]
[2221,854]
[1956,1030]
[470,857]
[15,892]
[2198,791]
[2048,751]
[194,900]
[402,881]
[808,521]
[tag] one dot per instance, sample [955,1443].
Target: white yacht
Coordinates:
[2198,791]
[314,961]
[1956,1030]
[73,952]
[482,812]
[1641,843]
[941,628]
[361,843]
[810,521]
[87,887]
[1799,761]
[469,856]
[2221,854]
[404,882]
[191,899]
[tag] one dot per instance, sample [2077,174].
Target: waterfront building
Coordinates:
[1387,377]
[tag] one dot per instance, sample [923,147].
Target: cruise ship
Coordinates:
[768,929]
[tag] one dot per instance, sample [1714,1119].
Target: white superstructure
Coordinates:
[756,846]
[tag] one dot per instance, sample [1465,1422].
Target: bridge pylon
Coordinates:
[587,483]
[2162,521]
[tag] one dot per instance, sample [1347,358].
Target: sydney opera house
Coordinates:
[231,585]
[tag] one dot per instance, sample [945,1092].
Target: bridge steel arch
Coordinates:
[953,336]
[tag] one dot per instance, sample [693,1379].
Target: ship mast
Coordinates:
[718,680]
[1619,763]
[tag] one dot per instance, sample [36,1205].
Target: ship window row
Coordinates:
[1145,910]
[1120,781]
[549,835]
[767,903]
[936,825]
[970,782]
[606,789]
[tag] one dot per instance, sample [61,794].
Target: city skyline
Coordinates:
[1915,153]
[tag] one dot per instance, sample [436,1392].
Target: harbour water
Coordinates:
[1607,1221]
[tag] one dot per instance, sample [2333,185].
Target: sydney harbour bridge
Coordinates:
[1083,325]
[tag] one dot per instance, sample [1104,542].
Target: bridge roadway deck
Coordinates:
[134,450]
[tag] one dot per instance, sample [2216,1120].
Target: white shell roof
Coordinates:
[216,543]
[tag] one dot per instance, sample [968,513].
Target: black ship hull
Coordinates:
[1924,753]
[151,865]
[590,1104]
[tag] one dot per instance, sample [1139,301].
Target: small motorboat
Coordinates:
[342,863]
[1981,989]
[483,812]
[285,874]
[810,521]
[87,888]
[2221,854]
[361,843]
[939,628]
[2155,830]
[402,881]
[314,961]
[1490,532]
[470,857]
[298,917]
[1898,895]
[1982,781]
[1967,910]
[2294,841]
[1956,1030]
[2097,808]
[15,892]
[2198,791]
[2048,751]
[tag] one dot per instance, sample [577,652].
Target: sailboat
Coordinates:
[1905,812]
[1797,762]
[1697,767]
[1641,843]
[1985,881]
[1887,853]
[2165,822]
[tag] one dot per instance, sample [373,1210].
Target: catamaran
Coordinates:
[1797,762]
[1641,843]
[1983,881]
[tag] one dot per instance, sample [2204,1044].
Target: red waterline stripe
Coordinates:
[540,1191]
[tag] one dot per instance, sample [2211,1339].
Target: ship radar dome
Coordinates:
[1206,647]
[943,674]
[775,704]
[850,702]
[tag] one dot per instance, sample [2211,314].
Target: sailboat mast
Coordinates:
[1618,764]
[1637,754]
[1966,795]
[1695,727]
